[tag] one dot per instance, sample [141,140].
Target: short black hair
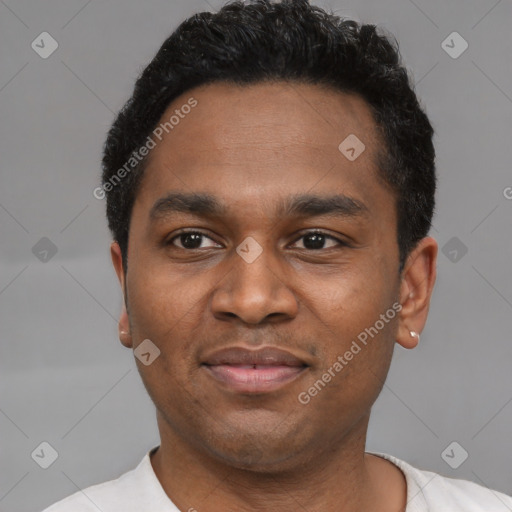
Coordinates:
[253,42]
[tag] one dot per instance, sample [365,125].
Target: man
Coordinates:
[270,187]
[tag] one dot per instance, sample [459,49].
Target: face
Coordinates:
[251,229]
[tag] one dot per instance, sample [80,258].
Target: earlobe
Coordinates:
[411,342]
[418,279]
[125,335]
[124,322]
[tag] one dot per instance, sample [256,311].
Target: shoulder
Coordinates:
[430,491]
[90,499]
[101,496]
[134,491]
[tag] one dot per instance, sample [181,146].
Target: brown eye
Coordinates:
[190,240]
[316,240]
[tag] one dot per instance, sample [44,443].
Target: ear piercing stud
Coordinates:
[414,334]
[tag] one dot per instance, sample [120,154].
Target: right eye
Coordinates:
[190,240]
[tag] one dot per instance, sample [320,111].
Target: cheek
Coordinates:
[349,300]
[355,312]
[162,300]
[162,312]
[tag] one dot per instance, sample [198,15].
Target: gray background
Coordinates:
[67,380]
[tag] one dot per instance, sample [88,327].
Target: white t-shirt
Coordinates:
[139,490]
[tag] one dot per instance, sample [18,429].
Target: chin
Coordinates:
[257,452]
[264,461]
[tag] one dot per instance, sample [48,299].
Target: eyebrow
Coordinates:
[196,203]
[207,205]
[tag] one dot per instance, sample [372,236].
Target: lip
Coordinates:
[254,371]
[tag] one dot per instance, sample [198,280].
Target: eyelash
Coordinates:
[341,243]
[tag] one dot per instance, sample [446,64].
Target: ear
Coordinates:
[417,284]
[124,324]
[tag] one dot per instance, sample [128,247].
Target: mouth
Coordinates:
[254,371]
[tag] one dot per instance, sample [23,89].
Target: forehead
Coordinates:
[264,142]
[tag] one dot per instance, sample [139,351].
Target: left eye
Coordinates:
[317,239]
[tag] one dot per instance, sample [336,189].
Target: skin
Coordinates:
[252,147]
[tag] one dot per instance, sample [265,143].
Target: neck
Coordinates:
[340,478]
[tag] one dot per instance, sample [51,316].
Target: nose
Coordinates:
[254,292]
